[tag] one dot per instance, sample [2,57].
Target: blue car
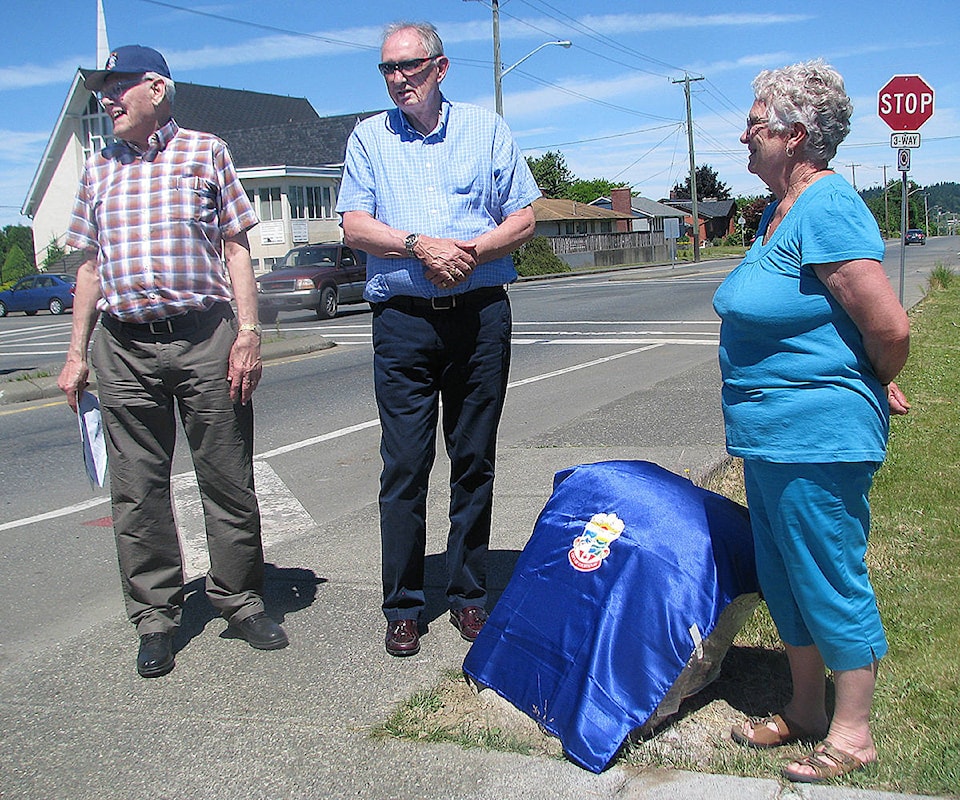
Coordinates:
[51,291]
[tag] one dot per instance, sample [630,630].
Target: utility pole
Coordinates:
[693,168]
[853,168]
[886,207]
[497,66]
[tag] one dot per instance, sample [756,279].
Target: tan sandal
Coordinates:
[827,763]
[765,737]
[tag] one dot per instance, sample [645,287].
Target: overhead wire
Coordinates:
[261,26]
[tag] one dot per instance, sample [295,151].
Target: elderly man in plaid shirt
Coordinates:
[438,195]
[158,213]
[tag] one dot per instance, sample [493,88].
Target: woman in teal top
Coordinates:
[812,337]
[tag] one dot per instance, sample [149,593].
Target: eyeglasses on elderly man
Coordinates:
[406,68]
[114,91]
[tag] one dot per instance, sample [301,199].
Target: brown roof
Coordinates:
[547,210]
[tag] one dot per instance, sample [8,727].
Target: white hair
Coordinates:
[169,87]
[812,94]
[428,35]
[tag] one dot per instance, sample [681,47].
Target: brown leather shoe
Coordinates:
[403,637]
[469,621]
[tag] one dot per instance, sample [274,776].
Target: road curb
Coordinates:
[27,389]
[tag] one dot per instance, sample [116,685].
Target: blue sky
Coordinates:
[608,103]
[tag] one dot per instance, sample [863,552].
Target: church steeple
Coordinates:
[103,47]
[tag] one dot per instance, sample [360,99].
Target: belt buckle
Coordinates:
[165,326]
[444,303]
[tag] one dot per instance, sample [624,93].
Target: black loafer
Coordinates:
[262,632]
[156,655]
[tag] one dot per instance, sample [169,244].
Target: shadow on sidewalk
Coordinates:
[285,590]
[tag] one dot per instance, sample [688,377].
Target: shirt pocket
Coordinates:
[194,199]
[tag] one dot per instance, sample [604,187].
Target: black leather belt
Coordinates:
[448,302]
[189,322]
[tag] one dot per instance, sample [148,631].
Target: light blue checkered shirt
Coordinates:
[458,182]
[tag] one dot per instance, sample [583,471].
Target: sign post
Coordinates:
[905,102]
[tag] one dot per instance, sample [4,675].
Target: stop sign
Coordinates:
[905,102]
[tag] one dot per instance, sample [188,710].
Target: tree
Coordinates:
[15,265]
[889,208]
[55,254]
[587,191]
[751,209]
[709,185]
[20,235]
[551,173]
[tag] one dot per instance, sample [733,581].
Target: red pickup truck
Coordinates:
[318,277]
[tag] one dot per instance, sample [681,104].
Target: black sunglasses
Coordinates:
[407,68]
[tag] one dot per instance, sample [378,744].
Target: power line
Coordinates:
[602,38]
[261,26]
[594,100]
[602,138]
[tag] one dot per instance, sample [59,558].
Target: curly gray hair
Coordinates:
[427,33]
[810,93]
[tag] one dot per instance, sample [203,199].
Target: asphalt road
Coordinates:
[585,349]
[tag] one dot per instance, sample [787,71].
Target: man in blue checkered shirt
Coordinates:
[438,195]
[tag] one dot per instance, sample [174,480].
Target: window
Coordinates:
[606,226]
[97,128]
[270,207]
[311,202]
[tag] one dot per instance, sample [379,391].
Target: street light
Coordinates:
[498,70]
[501,72]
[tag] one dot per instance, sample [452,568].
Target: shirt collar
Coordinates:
[127,152]
[398,123]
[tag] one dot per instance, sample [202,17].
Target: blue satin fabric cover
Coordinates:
[590,654]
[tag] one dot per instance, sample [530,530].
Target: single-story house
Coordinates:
[718,218]
[570,218]
[648,215]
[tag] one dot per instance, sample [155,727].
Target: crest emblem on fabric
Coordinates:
[593,545]
[111,61]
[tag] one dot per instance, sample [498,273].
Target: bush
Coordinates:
[536,257]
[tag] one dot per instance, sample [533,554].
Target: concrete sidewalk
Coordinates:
[77,722]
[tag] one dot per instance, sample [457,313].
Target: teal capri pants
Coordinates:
[810,528]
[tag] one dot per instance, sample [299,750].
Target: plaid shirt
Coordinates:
[158,220]
[459,181]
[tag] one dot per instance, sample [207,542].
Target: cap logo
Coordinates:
[111,61]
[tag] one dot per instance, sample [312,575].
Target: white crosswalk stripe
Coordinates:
[578,332]
[282,516]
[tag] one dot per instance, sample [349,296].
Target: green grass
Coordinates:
[942,277]
[30,376]
[710,252]
[914,559]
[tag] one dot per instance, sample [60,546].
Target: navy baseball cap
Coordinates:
[131,59]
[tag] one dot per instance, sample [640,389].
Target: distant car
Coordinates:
[316,277]
[34,293]
[916,236]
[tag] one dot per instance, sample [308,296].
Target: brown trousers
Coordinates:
[142,378]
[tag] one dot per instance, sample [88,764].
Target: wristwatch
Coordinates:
[410,242]
[257,328]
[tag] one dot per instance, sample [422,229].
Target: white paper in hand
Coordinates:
[92,437]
